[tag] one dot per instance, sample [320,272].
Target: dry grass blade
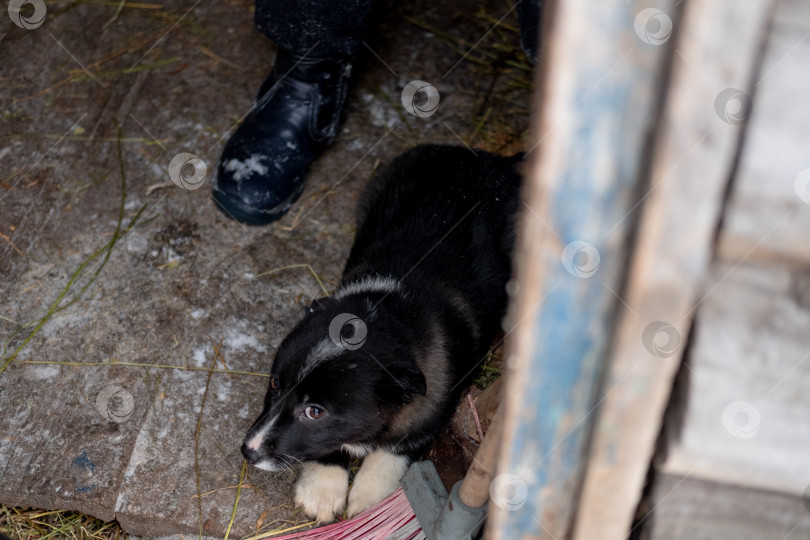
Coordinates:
[238,495]
[304,265]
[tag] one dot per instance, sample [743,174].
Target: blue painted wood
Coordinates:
[599,127]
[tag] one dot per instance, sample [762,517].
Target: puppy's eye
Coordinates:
[274,384]
[313,412]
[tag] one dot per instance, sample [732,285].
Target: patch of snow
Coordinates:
[157,171]
[132,203]
[42,372]
[242,169]
[238,341]
[224,390]
[22,415]
[170,254]
[382,114]
[355,145]
[161,433]
[199,357]
[137,243]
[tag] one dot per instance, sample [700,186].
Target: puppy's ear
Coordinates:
[401,383]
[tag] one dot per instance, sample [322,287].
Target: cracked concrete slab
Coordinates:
[112,331]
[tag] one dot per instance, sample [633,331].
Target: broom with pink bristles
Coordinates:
[392,518]
[422,509]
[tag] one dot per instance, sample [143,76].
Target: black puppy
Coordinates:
[377,369]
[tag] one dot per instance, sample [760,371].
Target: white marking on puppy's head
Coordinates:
[255,442]
[325,350]
[253,451]
[367,284]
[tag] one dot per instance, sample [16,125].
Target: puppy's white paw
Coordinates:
[321,490]
[378,477]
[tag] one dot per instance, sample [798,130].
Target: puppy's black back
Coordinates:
[441,220]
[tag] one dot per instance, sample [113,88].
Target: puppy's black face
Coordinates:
[337,381]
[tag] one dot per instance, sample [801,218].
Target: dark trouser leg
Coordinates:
[317,28]
[529,14]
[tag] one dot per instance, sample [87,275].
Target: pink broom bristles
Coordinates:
[391,519]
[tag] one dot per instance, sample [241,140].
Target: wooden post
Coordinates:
[600,88]
[718,45]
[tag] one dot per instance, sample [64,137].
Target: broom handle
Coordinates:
[474,490]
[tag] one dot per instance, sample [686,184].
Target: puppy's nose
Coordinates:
[252,456]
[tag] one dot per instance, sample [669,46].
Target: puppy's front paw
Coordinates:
[321,490]
[378,477]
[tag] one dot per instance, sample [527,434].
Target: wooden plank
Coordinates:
[718,42]
[693,509]
[791,13]
[752,344]
[769,210]
[743,415]
[601,85]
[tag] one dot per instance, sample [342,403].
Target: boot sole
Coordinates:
[253,216]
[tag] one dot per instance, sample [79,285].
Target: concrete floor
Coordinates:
[104,260]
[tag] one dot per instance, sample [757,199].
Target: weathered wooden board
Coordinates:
[693,509]
[744,415]
[717,48]
[601,86]
[769,210]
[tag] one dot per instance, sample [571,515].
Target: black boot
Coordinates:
[261,171]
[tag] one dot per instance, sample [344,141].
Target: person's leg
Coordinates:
[262,168]
[319,28]
[529,12]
